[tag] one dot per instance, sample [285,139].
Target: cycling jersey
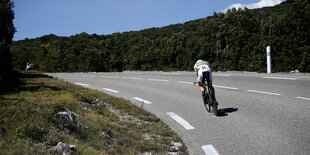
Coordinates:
[200,67]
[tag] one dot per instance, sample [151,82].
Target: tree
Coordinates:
[235,40]
[7,31]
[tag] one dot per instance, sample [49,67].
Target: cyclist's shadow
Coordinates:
[224,111]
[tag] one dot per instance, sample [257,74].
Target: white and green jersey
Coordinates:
[201,66]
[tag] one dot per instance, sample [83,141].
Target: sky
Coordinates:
[36,18]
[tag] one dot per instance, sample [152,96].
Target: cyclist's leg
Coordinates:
[200,80]
[201,85]
[209,81]
[212,89]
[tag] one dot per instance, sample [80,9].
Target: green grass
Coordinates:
[28,117]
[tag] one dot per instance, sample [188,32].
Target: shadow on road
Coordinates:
[223,112]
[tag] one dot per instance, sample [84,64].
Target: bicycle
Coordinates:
[208,100]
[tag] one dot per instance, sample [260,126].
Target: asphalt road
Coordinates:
[261,113]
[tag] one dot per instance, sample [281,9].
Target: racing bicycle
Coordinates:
[210,104]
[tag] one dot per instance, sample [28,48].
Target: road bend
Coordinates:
[259,113]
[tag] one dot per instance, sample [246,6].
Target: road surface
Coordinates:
[261,113]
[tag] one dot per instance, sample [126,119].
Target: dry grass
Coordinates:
[28,116]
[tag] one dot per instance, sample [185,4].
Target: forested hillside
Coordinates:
[235,40]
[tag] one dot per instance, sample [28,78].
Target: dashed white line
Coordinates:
[82,84]
[303,98]
[132,78]
[185,82]
[209,150]
[263,92]
[225,87]
[142,100]
[180,120]
[160,80]
[281,78]
[111,90]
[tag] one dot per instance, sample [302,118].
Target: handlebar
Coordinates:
[198,83]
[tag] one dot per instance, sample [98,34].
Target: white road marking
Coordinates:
[303,98]
[281,78]
[82,84]
[132,78]
[185,82]
[209,150]
[180,120]
[111,90]
[160,80]
[220,75]
[225,87]
[142,100]
[263,92]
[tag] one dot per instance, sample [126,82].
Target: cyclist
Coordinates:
[203,71]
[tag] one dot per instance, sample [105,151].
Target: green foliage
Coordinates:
[235,40]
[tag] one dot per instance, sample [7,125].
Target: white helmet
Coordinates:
[199,61]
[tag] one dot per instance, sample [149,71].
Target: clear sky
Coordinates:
[35,18]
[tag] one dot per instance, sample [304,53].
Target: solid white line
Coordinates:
[111,90]
[281,78]
[263,92]
[225,87]
[180,120]
[132,78]
[142,100]
[209,150]
[158,80]
[82,84]
[303,98]
[185,82]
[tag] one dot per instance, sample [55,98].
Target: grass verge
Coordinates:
[95,123]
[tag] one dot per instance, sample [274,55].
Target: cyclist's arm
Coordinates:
[196,72]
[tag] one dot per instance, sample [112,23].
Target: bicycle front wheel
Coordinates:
[206,102]
[208,106]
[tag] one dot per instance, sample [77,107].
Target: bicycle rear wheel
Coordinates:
[215,109]
[213,103]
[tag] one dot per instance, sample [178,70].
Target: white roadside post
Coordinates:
[268,59]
